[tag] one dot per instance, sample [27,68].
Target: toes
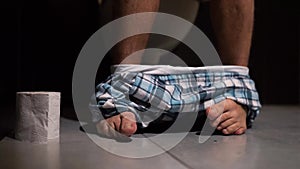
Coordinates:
[216,122]
[102,127]
[114,122]
[115,126]
[105,129]
[214,112]
[240,131]
[128,127]
[117,123]
[128,124]
[222,118]
[226,123]
[231,129]
[225,131]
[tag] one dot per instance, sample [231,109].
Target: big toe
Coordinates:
[240,131]
[128,127]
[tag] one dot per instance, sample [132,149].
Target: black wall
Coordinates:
[40,41]
[275,54]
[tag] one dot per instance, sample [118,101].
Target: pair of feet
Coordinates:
[227,116]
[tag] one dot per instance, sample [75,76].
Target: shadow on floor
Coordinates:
[156,127]
[7,120]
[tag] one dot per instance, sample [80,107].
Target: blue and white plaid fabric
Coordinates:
[149,91]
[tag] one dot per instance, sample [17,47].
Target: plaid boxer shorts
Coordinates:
[150,91]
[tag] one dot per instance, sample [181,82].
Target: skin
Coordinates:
[228,116]
[134,43]
[123,123]
[232,21]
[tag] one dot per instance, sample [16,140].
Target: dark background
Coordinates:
[40,41]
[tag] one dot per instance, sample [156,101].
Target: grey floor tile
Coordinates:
[274,142]
[77,151]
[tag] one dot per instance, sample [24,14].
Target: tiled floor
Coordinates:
[274,143]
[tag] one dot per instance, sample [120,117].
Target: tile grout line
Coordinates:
[172,155]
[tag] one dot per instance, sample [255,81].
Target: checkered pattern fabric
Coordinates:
[153,94]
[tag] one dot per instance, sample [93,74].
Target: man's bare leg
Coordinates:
[232,22]
[125,123]
[134,43]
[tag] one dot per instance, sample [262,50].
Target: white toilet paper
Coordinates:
[37,116]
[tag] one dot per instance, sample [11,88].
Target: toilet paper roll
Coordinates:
[37,116]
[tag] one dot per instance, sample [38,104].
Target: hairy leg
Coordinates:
[232,22]
[125,123]
[137,42]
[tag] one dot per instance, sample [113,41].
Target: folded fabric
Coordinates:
[150,91]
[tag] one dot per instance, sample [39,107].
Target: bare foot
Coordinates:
[124,123]
[228,116]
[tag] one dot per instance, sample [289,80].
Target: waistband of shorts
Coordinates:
[167,69]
